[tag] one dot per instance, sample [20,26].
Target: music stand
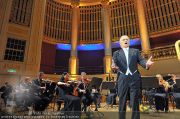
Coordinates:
[166,77]
[149,82]
[95,82]
[108,85]
[178,83]
[110,88]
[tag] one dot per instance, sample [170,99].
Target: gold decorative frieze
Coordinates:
[105,2]
[161,53]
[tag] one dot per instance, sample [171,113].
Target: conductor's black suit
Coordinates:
[129,81]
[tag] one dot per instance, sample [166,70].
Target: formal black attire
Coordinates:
[41,101]
[71,103]
[162,99]
[85,97]
[131,83]
[7,90]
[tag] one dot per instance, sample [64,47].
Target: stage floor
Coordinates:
[105,112]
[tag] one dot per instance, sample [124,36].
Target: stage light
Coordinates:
[100,46]
[61,46]
[91,47]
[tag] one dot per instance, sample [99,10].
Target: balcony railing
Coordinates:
[167,52]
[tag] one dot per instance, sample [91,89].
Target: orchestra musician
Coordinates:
[96,96]
[22,94]
[172,82]
[38,88]
[161,102]
[174,90]
[6,91]
[83,93]
[65,90]
[88,96]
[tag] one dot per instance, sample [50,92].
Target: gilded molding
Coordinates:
[161,53]
[104,2]
[177,46]
[75,3]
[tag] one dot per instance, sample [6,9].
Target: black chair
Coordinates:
[59,102]
[176,97]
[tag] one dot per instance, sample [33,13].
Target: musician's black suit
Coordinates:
[129,82]
[41,100]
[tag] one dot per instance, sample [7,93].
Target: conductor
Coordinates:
[125,62]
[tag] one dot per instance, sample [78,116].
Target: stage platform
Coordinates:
[105,112]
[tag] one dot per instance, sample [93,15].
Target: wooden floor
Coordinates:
[105,112]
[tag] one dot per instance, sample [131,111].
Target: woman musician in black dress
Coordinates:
[172,82]
[161,98]
[65,90]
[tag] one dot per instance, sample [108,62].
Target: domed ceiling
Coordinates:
[84,2]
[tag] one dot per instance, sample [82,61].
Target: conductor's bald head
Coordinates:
[124,41]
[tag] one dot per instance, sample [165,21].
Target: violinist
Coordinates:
[63,85]
[38,88]
[172,82]
[7,90]
[65,90]
[83,93]
[87,96]
[161,102]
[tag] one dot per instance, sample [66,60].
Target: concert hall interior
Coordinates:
[60,52]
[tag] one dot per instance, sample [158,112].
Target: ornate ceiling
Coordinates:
[84,2]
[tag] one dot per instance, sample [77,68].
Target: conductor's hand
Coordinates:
[149,62]
[113,66]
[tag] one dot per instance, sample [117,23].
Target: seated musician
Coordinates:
[111,98]
[22,93]
[96,96]
[175,92]
[6,91]
[65,90]
[38,88]
[86,96]
[83,93]
[172,82]
[160,101]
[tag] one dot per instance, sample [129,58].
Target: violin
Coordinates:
[75,90]
[165,84]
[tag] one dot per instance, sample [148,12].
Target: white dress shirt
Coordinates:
[126,52]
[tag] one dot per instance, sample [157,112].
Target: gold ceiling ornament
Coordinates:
[75,3]
[105,2]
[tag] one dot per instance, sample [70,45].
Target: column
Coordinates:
[73,61]
[145,44]
[107,36]
[32,65]
[5,9]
